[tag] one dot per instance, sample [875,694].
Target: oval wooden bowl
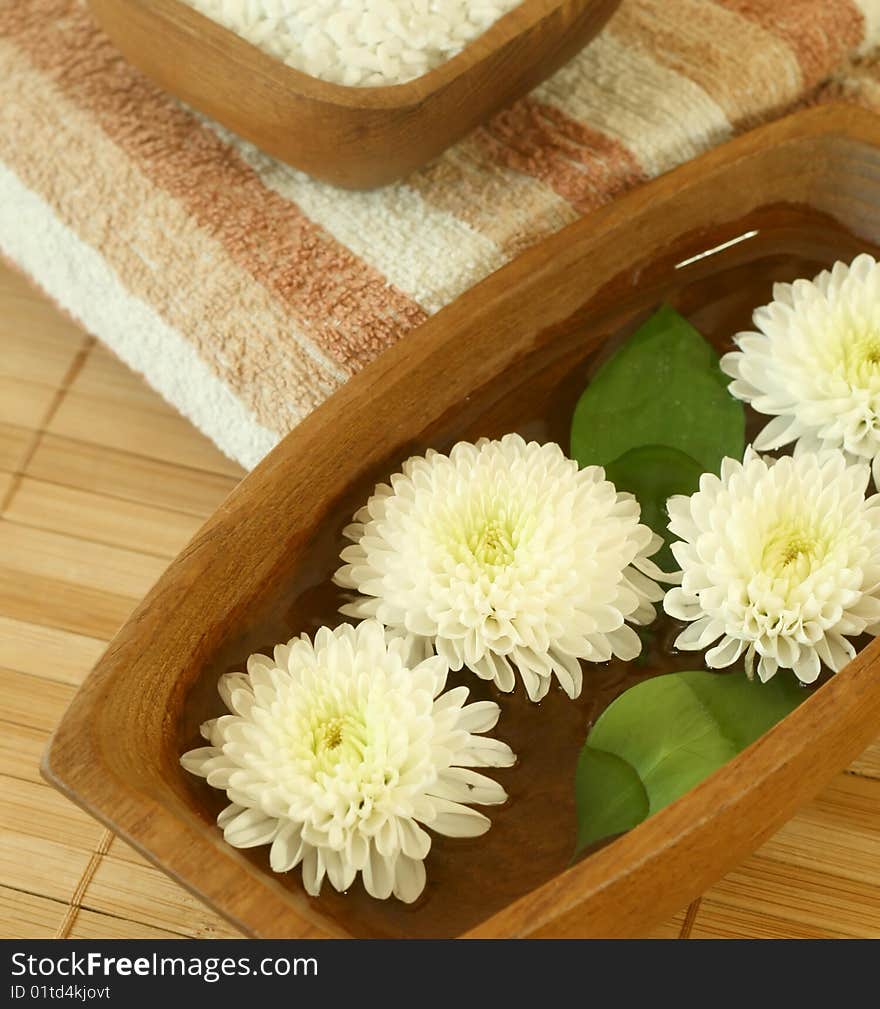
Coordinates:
[353,137]
[807,187]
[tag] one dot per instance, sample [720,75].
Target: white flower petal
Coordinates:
[336,752]
[195,760]
[569,672]
[481,716]
[312,870]
[725,653]
[228,814]
[415,843]
[814,362]
[780,562]
[461,784]
[340,873]
[287,848]
[504,554]
[250,829]
[237,683]
[807,667]
[409,879]
[378,875]
[456,820]
[484,751]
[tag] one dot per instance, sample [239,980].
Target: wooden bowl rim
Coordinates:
[834,706]
[759,761]
[515,23]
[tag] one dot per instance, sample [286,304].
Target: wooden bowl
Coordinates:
[510,354]
[353,137]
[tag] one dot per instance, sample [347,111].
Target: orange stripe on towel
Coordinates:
[749,72]
[581,164]
[820,32]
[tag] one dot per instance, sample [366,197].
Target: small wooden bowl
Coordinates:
[711,237]
[354,137]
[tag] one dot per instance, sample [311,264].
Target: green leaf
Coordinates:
[653,473]
[663,387]
[671,732]
[610,796]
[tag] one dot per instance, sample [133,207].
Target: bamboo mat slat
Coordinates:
[21,747]
[110,423]
[14,442]
[33,917]
[96,517]
[41,867]
[34,810]
[100,378]
[93,925]
[128,477]
[68,607]
[100,485]
[85,563]
[23,404]
[868,764]
[47,652]
[34,702]
[143,893]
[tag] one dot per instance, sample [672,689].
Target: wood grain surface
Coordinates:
[100,484]
[353,137]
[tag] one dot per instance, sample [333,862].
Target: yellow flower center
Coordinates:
[338,738]
[861,358]
[330,734]
[791,549]
[492,545]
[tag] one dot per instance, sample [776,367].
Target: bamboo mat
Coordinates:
[101,484]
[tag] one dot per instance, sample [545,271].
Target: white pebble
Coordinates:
[361,43]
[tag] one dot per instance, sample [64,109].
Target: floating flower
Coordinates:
[815,364]
[337,754]
[503,554]
[780,561]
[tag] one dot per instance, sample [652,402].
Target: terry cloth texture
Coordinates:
[246,292]
[859,83]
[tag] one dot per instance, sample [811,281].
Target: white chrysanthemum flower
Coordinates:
[815,364]
[338,752]
[503,554]
[780,560]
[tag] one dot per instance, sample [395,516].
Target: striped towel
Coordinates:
[246,293]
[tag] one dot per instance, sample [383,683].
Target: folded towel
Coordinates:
[246,292]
